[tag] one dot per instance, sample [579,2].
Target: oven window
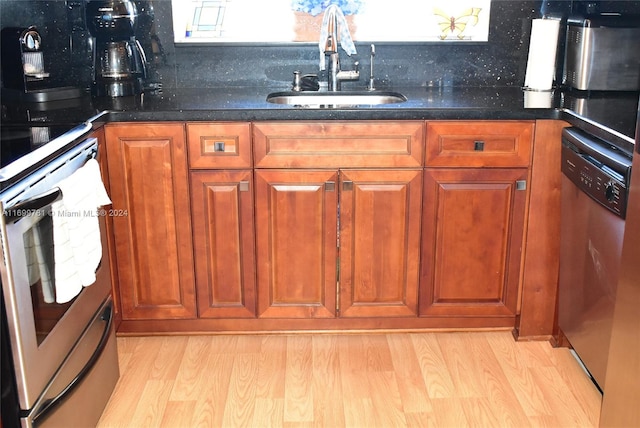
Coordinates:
[38,247]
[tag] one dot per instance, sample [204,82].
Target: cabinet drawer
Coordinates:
[338,144]
[219,145]
[479,144]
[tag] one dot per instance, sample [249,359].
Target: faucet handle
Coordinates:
[297,80]
[372,84]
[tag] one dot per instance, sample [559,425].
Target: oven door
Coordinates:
[43,332]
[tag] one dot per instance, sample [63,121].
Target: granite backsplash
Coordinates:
[499,62]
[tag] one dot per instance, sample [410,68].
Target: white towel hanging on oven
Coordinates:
[76,231]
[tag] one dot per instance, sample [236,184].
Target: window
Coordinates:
[251,21]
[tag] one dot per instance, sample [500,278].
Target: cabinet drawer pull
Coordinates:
[478,146]
[521,185]
[244,186]
[347,185]
[330,186]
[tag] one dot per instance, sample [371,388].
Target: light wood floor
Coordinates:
[355,380]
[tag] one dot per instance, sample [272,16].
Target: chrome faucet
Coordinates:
[335,76]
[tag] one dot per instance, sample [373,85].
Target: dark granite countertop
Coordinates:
[609,116]
[250,104]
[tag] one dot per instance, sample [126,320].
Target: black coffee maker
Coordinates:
[119,62]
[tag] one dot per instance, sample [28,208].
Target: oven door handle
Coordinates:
[107,318]
[31,205]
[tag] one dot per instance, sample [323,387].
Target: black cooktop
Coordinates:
[19,140]
[26,147]
[614,111]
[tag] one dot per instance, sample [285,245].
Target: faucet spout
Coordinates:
[332,31]
[334,17]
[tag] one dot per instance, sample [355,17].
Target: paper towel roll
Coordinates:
[542,54]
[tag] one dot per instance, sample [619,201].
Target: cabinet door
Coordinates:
[149,188]
[223,234]
[379,242]
[472,237]
[296,234]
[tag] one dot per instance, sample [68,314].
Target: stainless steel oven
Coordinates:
[63,355]
[594,194]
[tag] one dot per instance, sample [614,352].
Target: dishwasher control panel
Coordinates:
[589,178]
[596,169]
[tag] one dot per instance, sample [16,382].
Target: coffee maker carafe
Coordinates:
[119,62]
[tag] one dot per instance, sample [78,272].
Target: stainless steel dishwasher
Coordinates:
[594,200]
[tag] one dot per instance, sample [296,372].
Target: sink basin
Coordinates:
[346,98]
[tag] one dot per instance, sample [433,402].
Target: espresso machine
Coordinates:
[24,76]
[119,62]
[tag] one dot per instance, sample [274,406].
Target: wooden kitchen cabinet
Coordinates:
[474,213]
[296,237]
[320,225]
[223,238]
[222,189]
[473,229]
[299,244]
[480,144]
[305,171]
[148,179]
[379,242]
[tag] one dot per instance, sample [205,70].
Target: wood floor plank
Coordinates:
[271,367]
[386,400]
[579,383]
[560,397]
[496,384]
[128,390]
[413,379]
[268,412]
[328,409]
[480,412]
[155,396]
[461,364]
[423,420]
[167,363]
[239,405]
[224,344]
[298,394]
[359,412]
[411,386]
[213,386]
[516,369]
[189,377]
[178,414]
[365,352]
[449,413]
[433,368]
